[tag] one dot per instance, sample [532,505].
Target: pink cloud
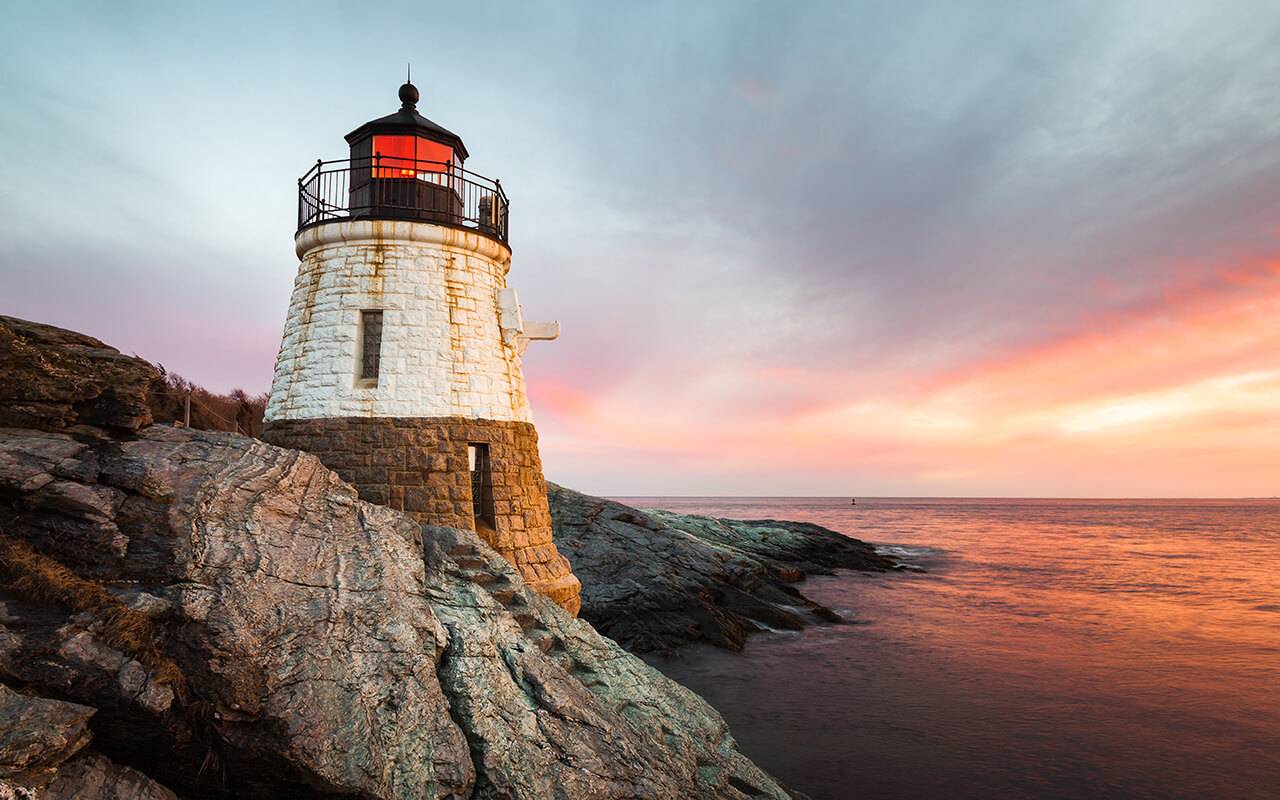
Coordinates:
[1177,397]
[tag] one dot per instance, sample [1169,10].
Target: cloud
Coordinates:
[777,235]
[971,184]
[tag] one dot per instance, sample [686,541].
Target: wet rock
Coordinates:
[791,548]
[655,581]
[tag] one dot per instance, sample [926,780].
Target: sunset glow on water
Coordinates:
[1055,648]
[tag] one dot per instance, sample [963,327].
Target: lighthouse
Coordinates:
[400,364]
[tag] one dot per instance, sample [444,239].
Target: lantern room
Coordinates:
[403,167]
[406,144]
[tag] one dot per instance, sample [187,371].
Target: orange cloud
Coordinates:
[1177,398]
[1197,378]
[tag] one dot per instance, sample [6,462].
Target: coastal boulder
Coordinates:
[655,580]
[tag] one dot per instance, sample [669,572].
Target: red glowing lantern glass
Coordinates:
[410,156]
[404,166]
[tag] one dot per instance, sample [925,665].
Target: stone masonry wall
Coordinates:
[420,466]
[442,352]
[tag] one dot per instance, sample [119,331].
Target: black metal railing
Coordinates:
[385,187]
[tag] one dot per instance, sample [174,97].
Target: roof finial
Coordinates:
[408,68]
[408,92]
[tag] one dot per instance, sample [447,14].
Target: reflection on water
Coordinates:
[1064,649]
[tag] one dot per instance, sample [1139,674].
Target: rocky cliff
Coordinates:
[656,580]
[204,614]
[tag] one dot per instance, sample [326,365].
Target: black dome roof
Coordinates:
[408,122]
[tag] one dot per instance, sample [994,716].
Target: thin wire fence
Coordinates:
[183,412]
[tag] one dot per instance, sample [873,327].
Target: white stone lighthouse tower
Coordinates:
[400,363]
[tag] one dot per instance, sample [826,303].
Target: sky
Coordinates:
[796,248]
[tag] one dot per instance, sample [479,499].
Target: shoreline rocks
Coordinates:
[235,622]
[654,581]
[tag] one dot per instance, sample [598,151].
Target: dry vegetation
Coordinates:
[237,411]
[39,578]
[34,576]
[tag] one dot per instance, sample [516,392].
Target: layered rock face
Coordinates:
[654,580]
[228,619]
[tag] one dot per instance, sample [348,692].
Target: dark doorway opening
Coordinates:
[481,485]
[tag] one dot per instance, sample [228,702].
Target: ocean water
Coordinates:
[1054,649]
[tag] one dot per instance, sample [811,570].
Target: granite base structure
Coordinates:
[421,465]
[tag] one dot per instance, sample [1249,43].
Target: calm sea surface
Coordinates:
[1055,649]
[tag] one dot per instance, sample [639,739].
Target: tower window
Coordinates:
[370,344]
[481,484]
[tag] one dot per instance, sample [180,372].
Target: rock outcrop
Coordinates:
[656,580]
[57,379]
[43,755]
[228,619]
